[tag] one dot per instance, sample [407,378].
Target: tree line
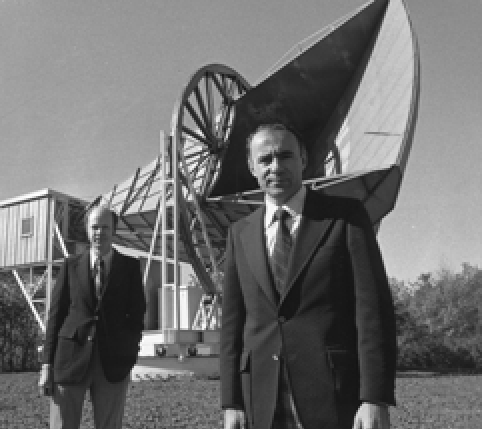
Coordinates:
[439,322]
[19,332]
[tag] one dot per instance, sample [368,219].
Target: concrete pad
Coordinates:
[141,373]
[166,367]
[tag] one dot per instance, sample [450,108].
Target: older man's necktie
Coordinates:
[99,277]
[281,250]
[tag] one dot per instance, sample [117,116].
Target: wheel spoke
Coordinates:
[226,121]
[201,162]
[205,179]
[221,88]
[241,88]
[195,154]
[221,124]
[196,119]
[193,162]
[197,161]
[202,108]
[195,136]
[227,90]
[225,80]
[194,171]
[212,162]
[230,90]
[209,101]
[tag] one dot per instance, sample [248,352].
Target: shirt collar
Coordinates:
[107,258]
[294,206]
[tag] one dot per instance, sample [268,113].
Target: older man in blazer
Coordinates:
[308,332]
[93,330]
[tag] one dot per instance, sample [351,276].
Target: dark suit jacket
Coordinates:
[334,328]
[75,319]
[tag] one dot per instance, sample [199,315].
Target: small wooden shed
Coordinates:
[27,222]
[37,231]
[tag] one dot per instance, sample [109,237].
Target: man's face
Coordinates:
[277,161]
[100,230]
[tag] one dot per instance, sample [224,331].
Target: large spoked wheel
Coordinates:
[201,126]
[202,122]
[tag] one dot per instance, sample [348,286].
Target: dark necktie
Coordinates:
[281,250]
[99,277]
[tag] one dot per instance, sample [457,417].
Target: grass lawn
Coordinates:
[425,402]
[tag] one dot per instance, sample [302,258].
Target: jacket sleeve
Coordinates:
[231,332]
[59,307]
[375,316]
[137,299]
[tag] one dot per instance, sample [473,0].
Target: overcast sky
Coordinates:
[86,86]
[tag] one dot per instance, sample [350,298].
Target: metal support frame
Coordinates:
[167,230]
[50,255]
[151,247]
[30,289]
[199,213]
[29,299]
[208,314]
[169,210]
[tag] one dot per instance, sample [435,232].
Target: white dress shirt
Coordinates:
[107,258]
[294,206]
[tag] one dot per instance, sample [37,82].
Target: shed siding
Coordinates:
[15,249]
[12,235]
[42,226]
[22,211]
[3,235]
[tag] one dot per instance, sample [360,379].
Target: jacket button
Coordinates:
[275,357]
[90,337]
[96,317]
[281,319]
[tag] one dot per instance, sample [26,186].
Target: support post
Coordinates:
[175,200]
[50,256]
[29,300]
[58,234]
[169,235]
[151,248]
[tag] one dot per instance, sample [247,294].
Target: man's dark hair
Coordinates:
[275,126]
[115,216]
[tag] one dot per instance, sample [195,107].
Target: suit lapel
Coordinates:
[312,231]
[114,265]
[85,278]
[254,246]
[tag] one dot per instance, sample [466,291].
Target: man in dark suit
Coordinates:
[308,331]
[93,331]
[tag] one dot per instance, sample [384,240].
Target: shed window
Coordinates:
[27,226]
